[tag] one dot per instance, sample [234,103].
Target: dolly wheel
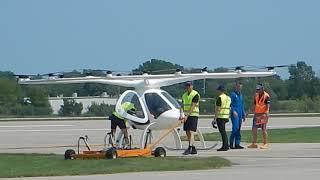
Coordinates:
[160,152]
[111,153]
[69,154]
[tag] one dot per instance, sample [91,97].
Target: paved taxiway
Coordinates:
[35,136]
[281,161]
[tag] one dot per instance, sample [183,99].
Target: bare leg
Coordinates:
[113,132]
[112,138]
[190,137]
[254,135]
[125,135]
[264,136]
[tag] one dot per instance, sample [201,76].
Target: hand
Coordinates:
[214,124]
[183,120]
[235,114]
[267,114]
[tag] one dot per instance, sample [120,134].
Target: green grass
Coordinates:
[295,135]
[26,165]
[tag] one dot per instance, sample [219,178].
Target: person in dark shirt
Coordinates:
[189,115]
[222,115]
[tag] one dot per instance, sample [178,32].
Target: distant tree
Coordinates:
[70,108]
[100,109]
[315,86]
[300,80]
[38,96]
[36,99]
[9,91]
[221,69]
[9,95]
[7,74]
[157,66]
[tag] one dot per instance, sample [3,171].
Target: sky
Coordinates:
[42,36]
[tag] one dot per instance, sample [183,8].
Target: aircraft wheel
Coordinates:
[69,154]
[160,152]
[111,153]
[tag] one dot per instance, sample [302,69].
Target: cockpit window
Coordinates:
[156,104]
[171,99]
[131,104]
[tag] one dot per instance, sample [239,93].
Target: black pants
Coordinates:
[222,129]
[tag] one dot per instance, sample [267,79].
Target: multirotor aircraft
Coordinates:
[155,108]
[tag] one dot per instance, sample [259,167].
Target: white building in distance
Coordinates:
[56,102]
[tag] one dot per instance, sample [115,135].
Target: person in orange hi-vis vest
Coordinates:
[261,108]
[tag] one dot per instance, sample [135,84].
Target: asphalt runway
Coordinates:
[56,136]
[281,161]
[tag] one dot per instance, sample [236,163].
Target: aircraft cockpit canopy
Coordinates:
[132,105]
[159,102]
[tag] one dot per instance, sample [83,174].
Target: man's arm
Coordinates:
[232,107]
[267,101]
[181,112]
[243,109]
[253,105]
[217,108]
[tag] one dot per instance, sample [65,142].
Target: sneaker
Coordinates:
[232,147]
[238,147]
[223,149]
[264,146]
[253,146]
[193,150]
[187,151]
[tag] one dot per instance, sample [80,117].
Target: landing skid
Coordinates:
[179,149]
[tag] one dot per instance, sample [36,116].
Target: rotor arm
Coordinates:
[89,79]
[196,76]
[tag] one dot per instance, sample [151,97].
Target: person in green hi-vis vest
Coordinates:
[190,110]
[118,120]
[222,115]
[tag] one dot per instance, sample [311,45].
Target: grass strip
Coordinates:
[30,165]
[292,135]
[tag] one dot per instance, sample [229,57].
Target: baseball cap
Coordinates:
[221,87]
[188,83]
[259,87]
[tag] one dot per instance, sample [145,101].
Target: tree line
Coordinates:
[299,93]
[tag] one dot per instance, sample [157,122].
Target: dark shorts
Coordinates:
[115,121]
[191,124]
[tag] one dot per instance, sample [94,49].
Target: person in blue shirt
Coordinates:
[237,115]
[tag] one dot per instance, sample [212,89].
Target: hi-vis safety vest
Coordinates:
[126,106]
[261,107]
[187,103]
[224,112]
